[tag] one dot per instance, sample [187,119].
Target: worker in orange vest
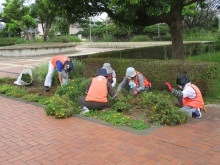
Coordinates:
[60,62]
[96,92]
[134,80]
[189,98]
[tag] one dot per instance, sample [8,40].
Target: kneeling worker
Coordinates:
[134,80]
[96,93]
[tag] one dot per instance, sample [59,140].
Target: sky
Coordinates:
[2,1]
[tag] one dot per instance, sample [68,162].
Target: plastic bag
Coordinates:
[20,81]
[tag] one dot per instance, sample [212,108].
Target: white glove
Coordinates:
[114,82]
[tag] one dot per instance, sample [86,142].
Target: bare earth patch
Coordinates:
[34,88]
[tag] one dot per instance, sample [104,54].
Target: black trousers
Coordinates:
[91,104]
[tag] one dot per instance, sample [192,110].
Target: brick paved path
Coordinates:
[28,136]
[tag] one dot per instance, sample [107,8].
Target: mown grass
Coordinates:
[210,57]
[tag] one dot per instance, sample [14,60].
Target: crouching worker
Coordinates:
[61,63]
[135,81]
[111,74]
[97,91]
[189,98]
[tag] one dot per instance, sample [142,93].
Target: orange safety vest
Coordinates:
[98,90]
[146,82]
[60,58]
[196,102]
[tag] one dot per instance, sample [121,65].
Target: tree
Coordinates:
[16,15]
[46,13]
[134,13]
[150,12]
[201,17]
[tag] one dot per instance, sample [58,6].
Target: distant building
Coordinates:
[2,25]
[73,29]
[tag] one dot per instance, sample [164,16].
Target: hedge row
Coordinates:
[155,52]
[159,71]
[5,41]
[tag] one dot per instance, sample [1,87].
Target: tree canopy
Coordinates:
[149,12]
[17,17]
[135,13]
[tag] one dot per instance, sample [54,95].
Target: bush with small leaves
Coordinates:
[74,88]
[161,110]
[61,107]
[122,104]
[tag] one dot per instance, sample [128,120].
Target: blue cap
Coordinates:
[69,65]
[103,72]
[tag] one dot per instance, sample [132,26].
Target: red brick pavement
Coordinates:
[28,136]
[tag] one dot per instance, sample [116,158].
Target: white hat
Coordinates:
[108,67]
[130,72]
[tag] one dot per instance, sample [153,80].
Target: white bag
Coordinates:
[21,82]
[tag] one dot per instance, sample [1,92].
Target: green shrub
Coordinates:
[13,91]
[161,110]
[140,38]
[122,104]
[6,41]
[203,74]
[40,72]
[109,39]
[73,89]
[162,52]
[63,39]
[61,107]
[199,35]
[22,41]
[77,72]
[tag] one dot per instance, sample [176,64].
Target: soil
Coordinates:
[34,88]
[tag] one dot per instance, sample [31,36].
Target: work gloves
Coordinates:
[169,87]
[135,92]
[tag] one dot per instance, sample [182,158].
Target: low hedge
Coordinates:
[203,74]
[156,52]
[6,41]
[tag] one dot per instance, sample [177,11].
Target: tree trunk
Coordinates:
[175,24]
[177,41]
[46,30]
